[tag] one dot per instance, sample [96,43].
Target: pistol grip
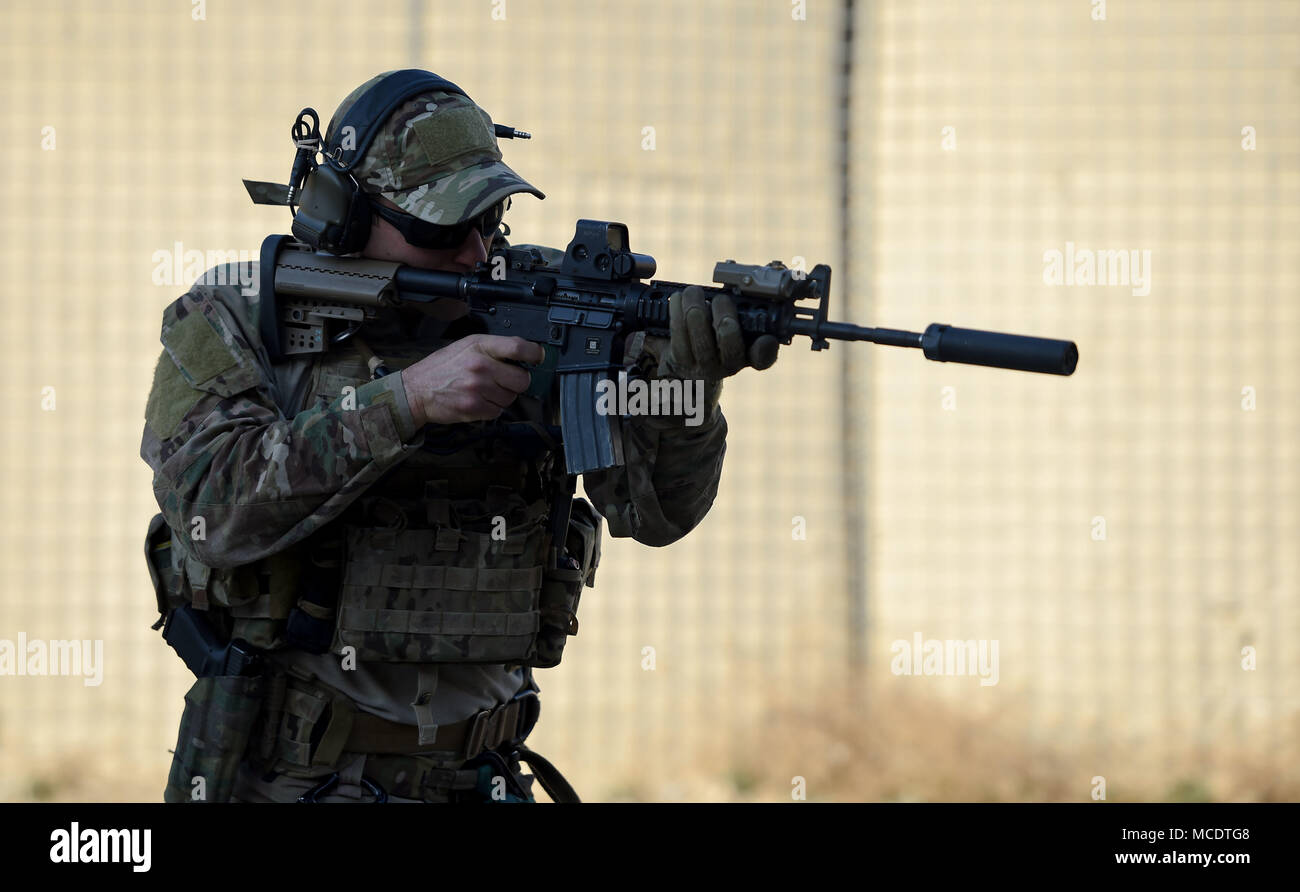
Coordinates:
[543,376]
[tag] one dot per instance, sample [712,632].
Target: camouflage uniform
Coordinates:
[277,464]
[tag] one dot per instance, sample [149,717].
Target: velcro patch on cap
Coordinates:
[446,136]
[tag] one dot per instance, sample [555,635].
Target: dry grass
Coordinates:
[78,777]
[898,747]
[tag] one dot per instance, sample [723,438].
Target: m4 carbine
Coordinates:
[582,311]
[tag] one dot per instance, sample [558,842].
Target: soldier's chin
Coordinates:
[446,308]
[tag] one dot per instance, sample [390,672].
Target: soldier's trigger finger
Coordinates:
[512,349]
[762,353]
[699,328]
[536,353]
[731,339]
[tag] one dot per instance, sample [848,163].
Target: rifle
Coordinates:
[582,312]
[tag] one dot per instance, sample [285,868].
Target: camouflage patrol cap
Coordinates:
[436,158]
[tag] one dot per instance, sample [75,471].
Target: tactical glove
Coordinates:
[707,341]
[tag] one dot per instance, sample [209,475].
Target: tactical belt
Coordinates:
[487,729]
[401,766]
[309,725]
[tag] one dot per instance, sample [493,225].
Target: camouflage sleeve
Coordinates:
[228,464]
[670,475]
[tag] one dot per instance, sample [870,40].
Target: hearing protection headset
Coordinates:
[330,210]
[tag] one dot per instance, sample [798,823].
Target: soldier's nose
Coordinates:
[472,250]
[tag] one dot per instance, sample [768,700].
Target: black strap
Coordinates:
[549,777]
[372,109]
[268,322]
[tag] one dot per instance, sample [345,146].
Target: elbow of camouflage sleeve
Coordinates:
[686,506]
[688,470]
[667,486]
[626,521]
[673,518]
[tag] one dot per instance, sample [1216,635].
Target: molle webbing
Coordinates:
[313,725]
[456,581]
[442,595]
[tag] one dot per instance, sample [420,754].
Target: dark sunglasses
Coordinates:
[423,234]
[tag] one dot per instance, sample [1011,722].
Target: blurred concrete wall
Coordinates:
[1122,534]
[1127,532]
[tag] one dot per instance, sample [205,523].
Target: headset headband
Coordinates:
[374,107]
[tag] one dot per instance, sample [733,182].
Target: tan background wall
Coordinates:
[967,513]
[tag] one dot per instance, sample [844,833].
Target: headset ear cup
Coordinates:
[322,214]
[356,227]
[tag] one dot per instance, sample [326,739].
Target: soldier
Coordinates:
[362,521]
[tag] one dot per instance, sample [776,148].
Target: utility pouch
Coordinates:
[219,714]
[163,572]
[562,586]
